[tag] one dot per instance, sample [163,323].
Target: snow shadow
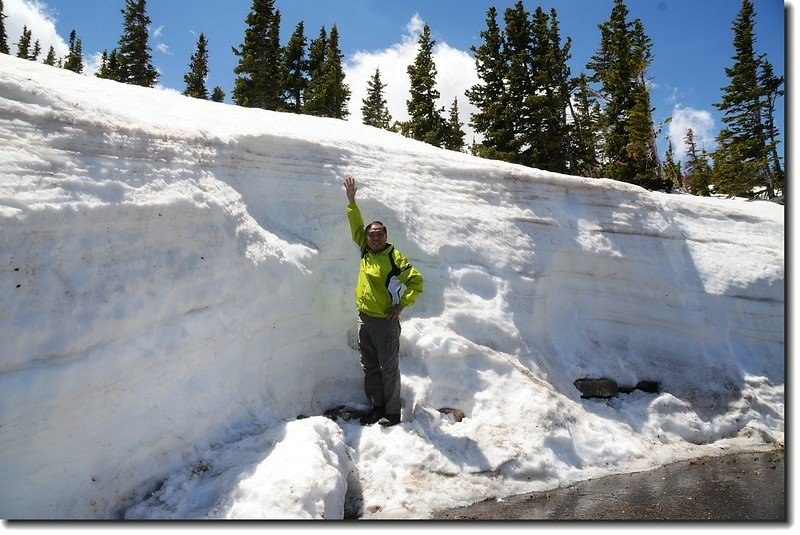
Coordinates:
[612,290]
[206,487]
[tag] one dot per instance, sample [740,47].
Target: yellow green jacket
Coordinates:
[384,279]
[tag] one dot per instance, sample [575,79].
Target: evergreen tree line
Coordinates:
[531,110]
[278,78]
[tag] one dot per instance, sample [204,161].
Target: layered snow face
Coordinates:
[178,290]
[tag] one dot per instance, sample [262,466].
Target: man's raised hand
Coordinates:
[350,188]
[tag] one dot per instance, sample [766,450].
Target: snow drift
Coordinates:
[178,281]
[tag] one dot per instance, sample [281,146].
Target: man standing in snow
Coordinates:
[387,283]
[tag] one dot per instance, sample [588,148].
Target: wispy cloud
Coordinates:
[39,19]
[699,121]
[163,48]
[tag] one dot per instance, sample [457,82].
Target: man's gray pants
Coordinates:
[379,344]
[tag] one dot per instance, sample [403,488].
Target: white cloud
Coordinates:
[92,63]
[414,27]
[455,74]
[162,47]
[39,20]
[700,121]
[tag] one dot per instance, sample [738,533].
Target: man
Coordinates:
[387,283]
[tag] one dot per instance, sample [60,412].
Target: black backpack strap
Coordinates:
[395,269]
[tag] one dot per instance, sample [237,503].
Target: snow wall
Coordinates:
[176,269]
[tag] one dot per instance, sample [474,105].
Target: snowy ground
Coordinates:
[178,281]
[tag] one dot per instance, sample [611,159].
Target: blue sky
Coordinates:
[692,42]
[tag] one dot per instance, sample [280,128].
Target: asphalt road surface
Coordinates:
[733,487]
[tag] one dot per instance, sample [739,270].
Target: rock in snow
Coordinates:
[178,280]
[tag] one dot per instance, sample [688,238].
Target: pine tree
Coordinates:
[454,138]
[426,122]
[772,90]
[134,62]
[697,170]
[37,49]
[294,70]
[258,81]
[327,94]
[627,130]
[217,95]
[743,158]
[198,71]
[490,96]
[641,163]
[24,44]
[374,111]
[547,131]
[672,168]
[642,144]
[108,65]
[339,94]
[584,128]
[316,63]
[50,59]
[521,98]
[74,61]
[3,35]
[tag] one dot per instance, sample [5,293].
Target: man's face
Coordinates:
[376,239]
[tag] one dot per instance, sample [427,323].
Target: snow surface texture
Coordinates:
[178,291]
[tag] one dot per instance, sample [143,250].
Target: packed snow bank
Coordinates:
[178,297]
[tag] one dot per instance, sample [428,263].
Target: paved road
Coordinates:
[733,487]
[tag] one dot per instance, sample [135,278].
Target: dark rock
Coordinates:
[597,388]
[458,414]
[344,412]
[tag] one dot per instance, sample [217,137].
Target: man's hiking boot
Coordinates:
[389,420]
[373,415]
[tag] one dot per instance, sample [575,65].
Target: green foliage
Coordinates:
[426,122]
[525,91]
[134,62]
[454,135]
[772,90]
[259,82]
[74,61]
[217,94]
[374,111]
[198,71]
[37,49]
[745,160]
[672,168]
[626,129]
[584,129]
[50,59]
[3,35]
[24,44]
[697,170]
[490,96]
[294,70]
[519,67]
[109,67]
[548,130]
[326,95]
[24,49]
